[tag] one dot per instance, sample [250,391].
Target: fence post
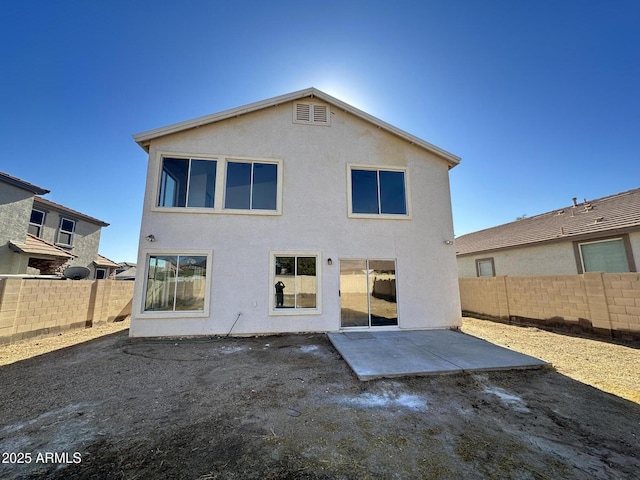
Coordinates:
[597,300]
[503,299]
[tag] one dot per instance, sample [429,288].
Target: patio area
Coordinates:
[386,354]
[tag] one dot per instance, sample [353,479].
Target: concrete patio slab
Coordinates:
[375,354]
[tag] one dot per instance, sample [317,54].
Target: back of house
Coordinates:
[299,213]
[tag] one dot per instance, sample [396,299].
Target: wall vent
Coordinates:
[311,113]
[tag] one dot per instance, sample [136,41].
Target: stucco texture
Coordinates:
[314,218]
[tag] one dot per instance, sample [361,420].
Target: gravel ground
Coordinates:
[610,367]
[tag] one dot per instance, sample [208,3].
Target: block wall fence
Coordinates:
[33,307]
[606,303]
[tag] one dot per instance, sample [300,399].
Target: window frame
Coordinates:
[277,312]
[145,314]
[71,233]
[250,210]
[220,185]
[625,242]
[101,269]
[484,260]
[378,169]
[40,227]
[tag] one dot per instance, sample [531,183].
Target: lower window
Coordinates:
[176,283]
[295,283]
[485,267]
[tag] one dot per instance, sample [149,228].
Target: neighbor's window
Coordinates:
[101,273]
[378,191]
[607,256]
[65,231]
[36,222]
[187,182]
[176,283]
[485,267]
[295,282]
[251,186]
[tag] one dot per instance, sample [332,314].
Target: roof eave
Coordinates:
[144,138]
[565,238]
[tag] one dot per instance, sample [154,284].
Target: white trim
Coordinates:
[39,226]
[277,312]
[144,139]
[143,314]
[378,168]
[221,177]
[72,233]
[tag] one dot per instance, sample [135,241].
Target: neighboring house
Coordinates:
[41,237]
[126,271]
[601,235]
[296,213]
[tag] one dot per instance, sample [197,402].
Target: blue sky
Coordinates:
[541,99]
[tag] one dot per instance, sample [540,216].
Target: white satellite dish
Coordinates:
[76,273]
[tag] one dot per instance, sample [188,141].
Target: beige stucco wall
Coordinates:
[548,259]
[610,301]
[31,308]
[314,218]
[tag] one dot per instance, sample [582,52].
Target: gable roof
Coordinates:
[614,214]
[44,203]
[16,182]
[38,247]
[143,139]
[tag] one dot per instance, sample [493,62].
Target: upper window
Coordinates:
[609,256]
[378,191]
[36,222]
[101,273]
[311,113]
[176,283]
[294,282]
[187,182]
[66,231]
[251,186]
[220,185]
[485,267]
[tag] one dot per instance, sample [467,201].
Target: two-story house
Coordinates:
[297,213]
[40,237]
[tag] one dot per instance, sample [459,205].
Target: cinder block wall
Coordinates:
[30,308]
[598,301]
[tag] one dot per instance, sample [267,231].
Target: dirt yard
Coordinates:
[287,407]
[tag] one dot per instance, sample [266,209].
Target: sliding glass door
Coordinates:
[368,293]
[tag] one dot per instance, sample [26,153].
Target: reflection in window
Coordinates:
[378,192]
[187,183]
[65,232]
[35,223]
[251,186]
[607,256]
[295,282]
[485,268]
[176,283]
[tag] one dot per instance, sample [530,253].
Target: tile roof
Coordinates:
[607,215]
[101,261]
[35,246]
[17,182]
[42,202]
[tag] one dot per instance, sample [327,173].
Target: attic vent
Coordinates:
[311,113]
